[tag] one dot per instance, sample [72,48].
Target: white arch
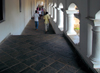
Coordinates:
[71,17]
[38,3]
[72,6]
[60,5]
[97,16]
[51,4]
[42,3]
[55,5]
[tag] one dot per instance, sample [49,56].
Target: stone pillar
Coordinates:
[95,57]
[54,14]
[71,21]
[96,45]
[61,19]
[51,11]
[71,25]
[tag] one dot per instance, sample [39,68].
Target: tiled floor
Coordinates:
[37,52]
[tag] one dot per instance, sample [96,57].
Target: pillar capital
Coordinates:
[72,11]
[96,21]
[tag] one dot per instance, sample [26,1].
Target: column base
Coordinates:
[54,20]
[71,33]
[96,63]
[61,28]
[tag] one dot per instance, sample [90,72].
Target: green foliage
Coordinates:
[77,28]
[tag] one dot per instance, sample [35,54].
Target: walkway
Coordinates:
[37,52]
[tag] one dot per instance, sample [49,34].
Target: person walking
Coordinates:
[47,20]
[39,12]
[36,19]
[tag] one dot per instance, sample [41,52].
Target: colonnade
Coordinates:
[95,56]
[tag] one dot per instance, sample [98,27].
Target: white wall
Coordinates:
[15,21]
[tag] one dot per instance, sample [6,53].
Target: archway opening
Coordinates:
[73,19]
[97,16]
[40,4]
[76,23]
[61,17]
[73,29]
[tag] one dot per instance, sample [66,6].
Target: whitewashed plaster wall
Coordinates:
[15,21]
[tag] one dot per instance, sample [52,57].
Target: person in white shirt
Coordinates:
[36,19]
[40,12]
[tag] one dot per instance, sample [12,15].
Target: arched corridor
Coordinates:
[71,45]
[30,29]
[37,52]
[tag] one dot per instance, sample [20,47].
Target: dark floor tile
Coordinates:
[65,71]
[14,45]
[48,70]
[57,65]
[19,67]
[47,53]
[31,54]
[47,46]
[5,58]
[32,43]
[22,49]
[47,61]
[28,70]
[11,62]
[38,66]
[2,53]
[22,57]
[33,47]
[39,57]
[15,54]
[74,64]
[55,56]
[40,50]
[65,60]
[42,44]
[29,61]
[3,46]
[81,71]
[68,69]
[3,66]
[8,71]
[8,49]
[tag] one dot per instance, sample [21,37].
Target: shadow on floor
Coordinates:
[37,52]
